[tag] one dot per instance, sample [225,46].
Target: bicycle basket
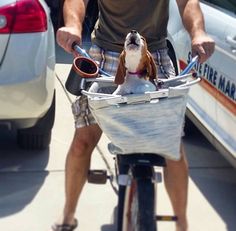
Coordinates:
[142,123]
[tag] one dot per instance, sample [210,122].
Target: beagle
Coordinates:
[136,72]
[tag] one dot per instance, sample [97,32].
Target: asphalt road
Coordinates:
[32,183]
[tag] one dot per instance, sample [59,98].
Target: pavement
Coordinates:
[32,183]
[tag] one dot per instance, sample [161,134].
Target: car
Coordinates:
[212,103]
[27,63]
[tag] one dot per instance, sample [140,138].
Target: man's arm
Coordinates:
[193,21]
[73,13]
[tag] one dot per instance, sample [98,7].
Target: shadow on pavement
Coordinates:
[213,175]
[21,174]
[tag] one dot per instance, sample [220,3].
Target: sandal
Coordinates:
[65,227]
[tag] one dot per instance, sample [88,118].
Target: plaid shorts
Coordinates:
[108,61]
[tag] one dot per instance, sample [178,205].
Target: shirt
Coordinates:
[118,17]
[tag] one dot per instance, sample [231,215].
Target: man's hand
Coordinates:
[192,17]
[66,36]
[74,13]
[203,46]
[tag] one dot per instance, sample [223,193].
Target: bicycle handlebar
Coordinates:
[82,52]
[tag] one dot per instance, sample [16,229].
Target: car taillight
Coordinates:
[24,16]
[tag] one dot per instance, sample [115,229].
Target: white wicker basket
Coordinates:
[142,123]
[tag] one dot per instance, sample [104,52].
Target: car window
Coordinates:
[226,4]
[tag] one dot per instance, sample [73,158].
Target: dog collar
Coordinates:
[136,73]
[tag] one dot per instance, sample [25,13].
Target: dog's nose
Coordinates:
[133,32]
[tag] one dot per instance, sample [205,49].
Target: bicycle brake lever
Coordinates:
[190,65]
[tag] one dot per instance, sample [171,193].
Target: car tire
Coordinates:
[38,137]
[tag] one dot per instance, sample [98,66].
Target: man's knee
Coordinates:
[181,163]
[85,139]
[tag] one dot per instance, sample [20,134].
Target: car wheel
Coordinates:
[38,137]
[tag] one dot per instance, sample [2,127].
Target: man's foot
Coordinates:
[65,227]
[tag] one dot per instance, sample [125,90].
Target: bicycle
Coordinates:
[135,172]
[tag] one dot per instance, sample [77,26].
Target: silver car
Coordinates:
[212,103]
[27,61]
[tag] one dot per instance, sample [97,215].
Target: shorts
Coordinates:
[108,61]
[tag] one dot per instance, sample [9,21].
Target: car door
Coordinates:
[219,73]
[212,103]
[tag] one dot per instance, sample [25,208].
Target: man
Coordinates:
[116,19]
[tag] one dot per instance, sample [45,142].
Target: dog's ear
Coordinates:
[121,70]
[151,66]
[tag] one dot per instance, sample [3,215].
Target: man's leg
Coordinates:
[77,166]
[176,182]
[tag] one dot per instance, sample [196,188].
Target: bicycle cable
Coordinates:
[65,91]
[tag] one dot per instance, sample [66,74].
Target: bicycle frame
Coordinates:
[135,173]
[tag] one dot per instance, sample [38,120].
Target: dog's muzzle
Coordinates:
[132,40]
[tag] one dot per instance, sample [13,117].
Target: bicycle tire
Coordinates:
[139,206]
[120,169]
[120,208]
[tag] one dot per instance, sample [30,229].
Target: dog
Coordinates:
[136,72]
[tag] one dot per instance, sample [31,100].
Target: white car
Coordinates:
[27,61]
[212,103]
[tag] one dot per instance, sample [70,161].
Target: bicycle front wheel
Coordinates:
[139,206]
